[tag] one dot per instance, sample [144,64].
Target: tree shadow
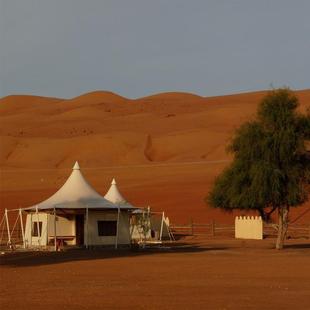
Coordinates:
[297,246]
[37,258]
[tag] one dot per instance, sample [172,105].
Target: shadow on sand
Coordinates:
[297,246]
[37,258]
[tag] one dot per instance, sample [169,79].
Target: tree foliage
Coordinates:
[271,165]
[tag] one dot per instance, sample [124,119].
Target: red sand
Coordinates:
[161,149]
[204,274]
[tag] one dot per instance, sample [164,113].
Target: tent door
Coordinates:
[79,229]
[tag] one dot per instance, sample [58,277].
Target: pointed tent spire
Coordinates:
[76,166]
[76,193]
[113,195]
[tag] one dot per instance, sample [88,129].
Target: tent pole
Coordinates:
[87,228]
[2,230]
[30,228]
[117,228]
[149,221]
[46,230]
[38,227]
[22,227]
[7,226]
[55,235]
[161,226]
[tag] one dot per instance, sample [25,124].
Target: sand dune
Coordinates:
[165,149]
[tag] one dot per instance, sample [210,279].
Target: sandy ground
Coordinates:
[165,151]
[194,274]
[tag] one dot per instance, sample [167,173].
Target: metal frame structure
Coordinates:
[6,226]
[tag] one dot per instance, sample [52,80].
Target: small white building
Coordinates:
[249,227]
[77,215]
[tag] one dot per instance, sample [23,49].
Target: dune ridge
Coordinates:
[103,129]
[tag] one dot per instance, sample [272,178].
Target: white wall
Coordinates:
[95,239]
[249,227]
[64,227]
[36,241]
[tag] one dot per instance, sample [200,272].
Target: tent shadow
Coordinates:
[39,258]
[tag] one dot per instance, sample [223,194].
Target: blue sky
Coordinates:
[63,48]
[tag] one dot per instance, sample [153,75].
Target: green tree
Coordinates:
[271,167]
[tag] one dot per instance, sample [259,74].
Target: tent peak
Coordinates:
[113,195]
[76,166]
[76,193]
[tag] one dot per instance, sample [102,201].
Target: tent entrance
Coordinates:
[79,229]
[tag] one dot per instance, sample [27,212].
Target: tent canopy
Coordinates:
[113,195]
[77,193]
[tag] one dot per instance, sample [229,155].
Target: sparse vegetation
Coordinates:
[270,171]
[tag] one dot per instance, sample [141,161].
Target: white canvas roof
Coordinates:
[76,193]
[113,195]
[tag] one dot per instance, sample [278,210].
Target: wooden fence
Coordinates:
[213,229]
[294,231]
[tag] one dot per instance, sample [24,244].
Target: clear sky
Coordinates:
[63,48]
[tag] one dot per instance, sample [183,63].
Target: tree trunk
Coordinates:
[266,216]
[282,228]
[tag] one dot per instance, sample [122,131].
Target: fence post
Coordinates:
[7,226]
[212,228]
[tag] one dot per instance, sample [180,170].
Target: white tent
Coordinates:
[114,196]
[74,194]
[144,223]
[76,214]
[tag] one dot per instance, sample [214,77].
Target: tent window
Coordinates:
[107,228]
[35,229]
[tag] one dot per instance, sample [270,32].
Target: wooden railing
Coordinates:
[198,229]
[294,231]
[213,229]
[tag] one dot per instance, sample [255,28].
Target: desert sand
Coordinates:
[193,274]
[164,150]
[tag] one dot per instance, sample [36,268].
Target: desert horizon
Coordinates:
[165,150]
[154,154]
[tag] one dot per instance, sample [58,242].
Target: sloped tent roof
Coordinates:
[77,193]
[113,195]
